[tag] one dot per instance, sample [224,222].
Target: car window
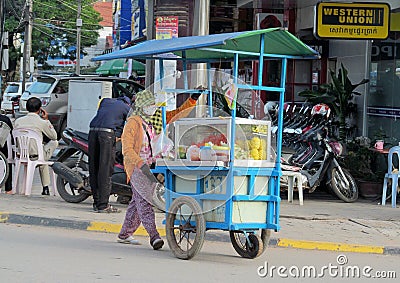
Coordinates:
[27,85]
[134,88]
[125,88]
[62,87]
[12,89]
[42,85]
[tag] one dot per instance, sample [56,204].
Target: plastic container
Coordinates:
[222,154]
[193,153]
[207,154]
[182,149]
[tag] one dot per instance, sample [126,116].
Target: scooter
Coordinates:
[72,169]
[318,163]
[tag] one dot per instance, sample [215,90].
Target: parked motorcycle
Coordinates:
[315,154]
[72,169]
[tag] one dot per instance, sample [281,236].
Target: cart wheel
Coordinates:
[185,227]
[245,249]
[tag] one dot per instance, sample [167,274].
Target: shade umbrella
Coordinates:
[114,67]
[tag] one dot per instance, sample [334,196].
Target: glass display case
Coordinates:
[209,139]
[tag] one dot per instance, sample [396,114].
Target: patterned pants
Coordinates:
[140,209]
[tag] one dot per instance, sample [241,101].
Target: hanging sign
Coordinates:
[352,20]
[167,27]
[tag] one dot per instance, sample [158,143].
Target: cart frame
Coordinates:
[215,48]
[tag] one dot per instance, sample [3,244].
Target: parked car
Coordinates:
[52,90]
[12,95]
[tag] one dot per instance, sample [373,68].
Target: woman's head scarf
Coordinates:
[143,98]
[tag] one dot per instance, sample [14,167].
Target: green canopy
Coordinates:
[114,67]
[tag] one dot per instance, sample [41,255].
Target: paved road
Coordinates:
[323,222]
[42,254]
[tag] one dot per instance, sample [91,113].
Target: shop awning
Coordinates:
[218,47]
[114,67]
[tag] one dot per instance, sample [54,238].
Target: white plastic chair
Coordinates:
[393,173]
[22,138]
[295,179]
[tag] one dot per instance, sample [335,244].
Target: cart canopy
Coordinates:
[216,47]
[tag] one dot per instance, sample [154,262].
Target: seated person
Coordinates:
[37,119]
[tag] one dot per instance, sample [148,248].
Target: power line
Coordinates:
[61,28]
[54,20]
[13,10]
[68,5]
[71,31]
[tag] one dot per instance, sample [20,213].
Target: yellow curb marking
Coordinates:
[115,228]
[329,246]
[4,217]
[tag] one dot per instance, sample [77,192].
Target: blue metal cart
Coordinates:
[249,211]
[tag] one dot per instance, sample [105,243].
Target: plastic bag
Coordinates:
[162,145]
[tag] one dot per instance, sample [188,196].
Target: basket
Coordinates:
[4,132]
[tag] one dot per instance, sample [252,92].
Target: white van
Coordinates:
[13,92]
[53,90]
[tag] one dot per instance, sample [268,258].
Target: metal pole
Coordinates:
[27,42]
[201,27]
[150,35]
[2,14]
[78,39]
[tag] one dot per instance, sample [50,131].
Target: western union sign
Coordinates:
[352,20]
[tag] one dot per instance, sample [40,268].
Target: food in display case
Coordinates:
[209,139]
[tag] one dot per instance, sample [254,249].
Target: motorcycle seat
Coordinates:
[82,135]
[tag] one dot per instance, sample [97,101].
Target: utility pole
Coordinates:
[78,39]
[1,35]
[27,42]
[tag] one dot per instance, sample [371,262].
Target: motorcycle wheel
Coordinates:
[68,192]
[339,187]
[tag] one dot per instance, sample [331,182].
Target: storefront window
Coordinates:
[383,104]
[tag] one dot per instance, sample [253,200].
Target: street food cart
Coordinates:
[223,175]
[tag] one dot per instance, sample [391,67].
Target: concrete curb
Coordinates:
[6,217]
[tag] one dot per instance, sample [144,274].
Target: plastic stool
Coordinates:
[294,178]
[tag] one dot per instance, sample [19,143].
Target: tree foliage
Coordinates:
[338,95]
[54,26]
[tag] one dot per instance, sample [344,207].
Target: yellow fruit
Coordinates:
[263,143]
[255,143]
[254,154]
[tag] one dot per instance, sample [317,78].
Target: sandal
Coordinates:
[129,240]
[157,244]
[109,209]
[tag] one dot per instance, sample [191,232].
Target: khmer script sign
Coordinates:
[352,20]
